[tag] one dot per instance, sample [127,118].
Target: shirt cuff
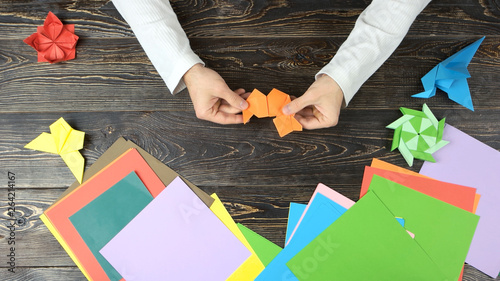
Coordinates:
[342,80]
[174,79]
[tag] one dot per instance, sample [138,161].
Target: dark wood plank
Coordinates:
[326,18]
[34,244]
[288,64]
[44,273]
[242,18]
[205,153]
[98,19]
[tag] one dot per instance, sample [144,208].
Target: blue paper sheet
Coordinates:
[294,213]
[322,212]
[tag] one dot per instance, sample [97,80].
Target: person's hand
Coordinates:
[319,107]
[212,99]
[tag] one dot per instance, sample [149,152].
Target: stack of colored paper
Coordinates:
[404,227]
[133,218]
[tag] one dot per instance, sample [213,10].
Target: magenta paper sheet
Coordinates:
[469,162]
[175,237]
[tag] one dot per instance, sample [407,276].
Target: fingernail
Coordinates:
[286,109]
[243,104]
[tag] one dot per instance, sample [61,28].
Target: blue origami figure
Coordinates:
[451,77]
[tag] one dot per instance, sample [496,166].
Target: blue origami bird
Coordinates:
[451,76]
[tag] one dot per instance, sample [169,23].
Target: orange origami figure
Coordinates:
[271,106]
[53,41]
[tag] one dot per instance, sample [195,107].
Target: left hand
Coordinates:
[212,99]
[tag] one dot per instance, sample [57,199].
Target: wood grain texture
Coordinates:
[288,64]
[204,152]
[45,273]
[111,90]
[240,18]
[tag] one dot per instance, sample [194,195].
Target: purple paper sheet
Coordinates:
[469,162]
[176,237]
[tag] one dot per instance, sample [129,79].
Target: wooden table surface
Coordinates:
[111,90]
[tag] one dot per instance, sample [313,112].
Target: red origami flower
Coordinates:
[53,41]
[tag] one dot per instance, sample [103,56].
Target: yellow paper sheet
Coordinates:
[61,241]
[252,267]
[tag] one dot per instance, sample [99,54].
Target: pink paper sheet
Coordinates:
[329,193]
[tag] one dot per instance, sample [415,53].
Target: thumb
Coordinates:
[296,105]
[234,99]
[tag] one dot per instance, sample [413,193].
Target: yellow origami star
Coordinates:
[65,141]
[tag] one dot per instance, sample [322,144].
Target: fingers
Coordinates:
[306,112]
[224,118]
[308,123]
[245,95]
[229,109]
[316,118]
[212,99]
[240,91]
[220,113]
[234,99]
[297,105]
[223,111]
[319,107]
[220,117]
[313,122]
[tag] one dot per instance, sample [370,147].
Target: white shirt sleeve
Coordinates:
[160,34]
[378,31]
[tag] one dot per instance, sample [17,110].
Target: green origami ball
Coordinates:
[417,134]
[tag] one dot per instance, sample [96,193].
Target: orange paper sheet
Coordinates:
[59,213]
[457,195]
[271,106]
[377,163]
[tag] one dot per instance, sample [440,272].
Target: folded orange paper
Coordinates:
[271,105]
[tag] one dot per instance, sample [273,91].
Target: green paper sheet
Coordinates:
[366,243]
[100,220]
[265,249]
[444,231]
